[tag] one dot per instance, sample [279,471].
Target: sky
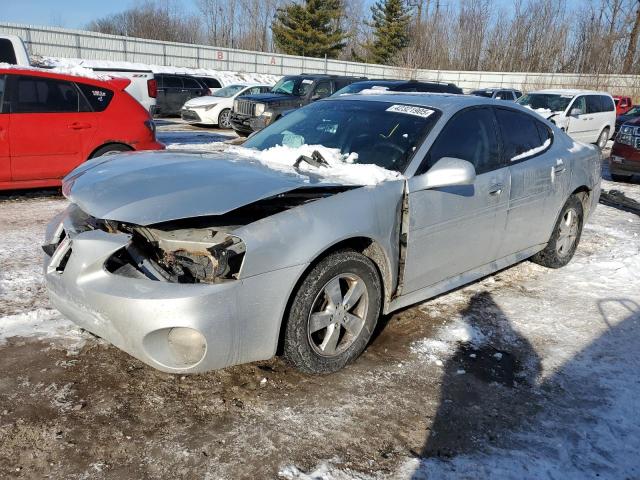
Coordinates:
[78,13]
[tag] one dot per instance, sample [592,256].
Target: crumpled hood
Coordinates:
[145,188]
[202,101]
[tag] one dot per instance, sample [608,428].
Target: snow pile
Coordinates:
[439,347]
[324,471]
[225,77]
[63,68]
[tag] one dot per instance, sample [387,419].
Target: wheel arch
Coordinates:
[584,194]
[368,247]
[109,144]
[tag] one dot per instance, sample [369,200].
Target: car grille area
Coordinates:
[245,107]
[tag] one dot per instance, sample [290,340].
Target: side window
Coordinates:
[517,93]
[172,82]
[98,97]
[323,89]
[44,95]
[608,105]
[521,135]
[504,95]
[469,135]
[265,89]
[579,104]
[594,104]
[190,82]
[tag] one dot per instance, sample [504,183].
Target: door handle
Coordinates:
[496,189]
[559,167]
[79,126]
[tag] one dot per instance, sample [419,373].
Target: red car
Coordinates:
[625,154]
[623,104]
[50,123]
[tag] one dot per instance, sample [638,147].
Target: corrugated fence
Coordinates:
[66,43]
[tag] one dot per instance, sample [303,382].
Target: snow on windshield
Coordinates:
[342,168]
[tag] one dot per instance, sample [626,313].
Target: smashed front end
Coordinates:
[171,294]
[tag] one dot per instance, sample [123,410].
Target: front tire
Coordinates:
[333,313]
[565,237]
[224,119]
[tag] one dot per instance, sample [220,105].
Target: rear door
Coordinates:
[456,229]
[174,94]
[5,164]
[191,89]
[538,178]
[45,138]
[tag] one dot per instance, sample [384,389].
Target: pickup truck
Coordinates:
[623,104]
[254,112]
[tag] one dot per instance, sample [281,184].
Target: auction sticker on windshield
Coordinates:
[417,111]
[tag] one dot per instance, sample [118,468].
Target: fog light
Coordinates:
[187,345]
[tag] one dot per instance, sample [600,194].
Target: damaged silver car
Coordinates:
[192,262]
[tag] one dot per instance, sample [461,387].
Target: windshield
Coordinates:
[358,87]
[634,112]
[482,93]
[378,132]
[546,101]
[298,86]
[229,91]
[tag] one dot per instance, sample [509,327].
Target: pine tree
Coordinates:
[311,28]
[390,22]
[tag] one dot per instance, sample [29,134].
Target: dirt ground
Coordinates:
[74,407]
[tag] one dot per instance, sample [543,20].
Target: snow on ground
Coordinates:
[225,77]
[581,325]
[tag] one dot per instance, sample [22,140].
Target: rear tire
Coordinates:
[565,237]
[110,150]
[333,313]
[603,138]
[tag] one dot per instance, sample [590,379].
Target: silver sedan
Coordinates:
[192,262]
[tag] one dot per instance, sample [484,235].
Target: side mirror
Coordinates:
[575,112]
[446,172]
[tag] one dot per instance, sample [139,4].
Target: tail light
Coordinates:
[152,88]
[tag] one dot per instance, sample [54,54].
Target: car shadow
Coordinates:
[494,396]
[28,194]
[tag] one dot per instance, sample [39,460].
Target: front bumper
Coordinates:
[247,124]
[624,160]
[239,319]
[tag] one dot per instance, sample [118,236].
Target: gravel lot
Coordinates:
[530,373]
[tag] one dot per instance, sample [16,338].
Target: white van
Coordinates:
[586,115]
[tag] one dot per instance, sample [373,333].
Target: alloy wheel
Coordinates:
[338,314]
[568,233]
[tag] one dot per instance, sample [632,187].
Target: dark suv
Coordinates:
[254,112]
[175,90]
[400,86]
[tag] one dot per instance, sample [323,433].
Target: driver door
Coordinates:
[456,229]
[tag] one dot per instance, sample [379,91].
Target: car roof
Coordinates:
[570,91]
[48,73]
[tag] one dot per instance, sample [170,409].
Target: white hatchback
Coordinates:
[586,115]
[216,109]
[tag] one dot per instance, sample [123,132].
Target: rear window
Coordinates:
[7,54]
[98,97]
[45,95]
[522,135]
